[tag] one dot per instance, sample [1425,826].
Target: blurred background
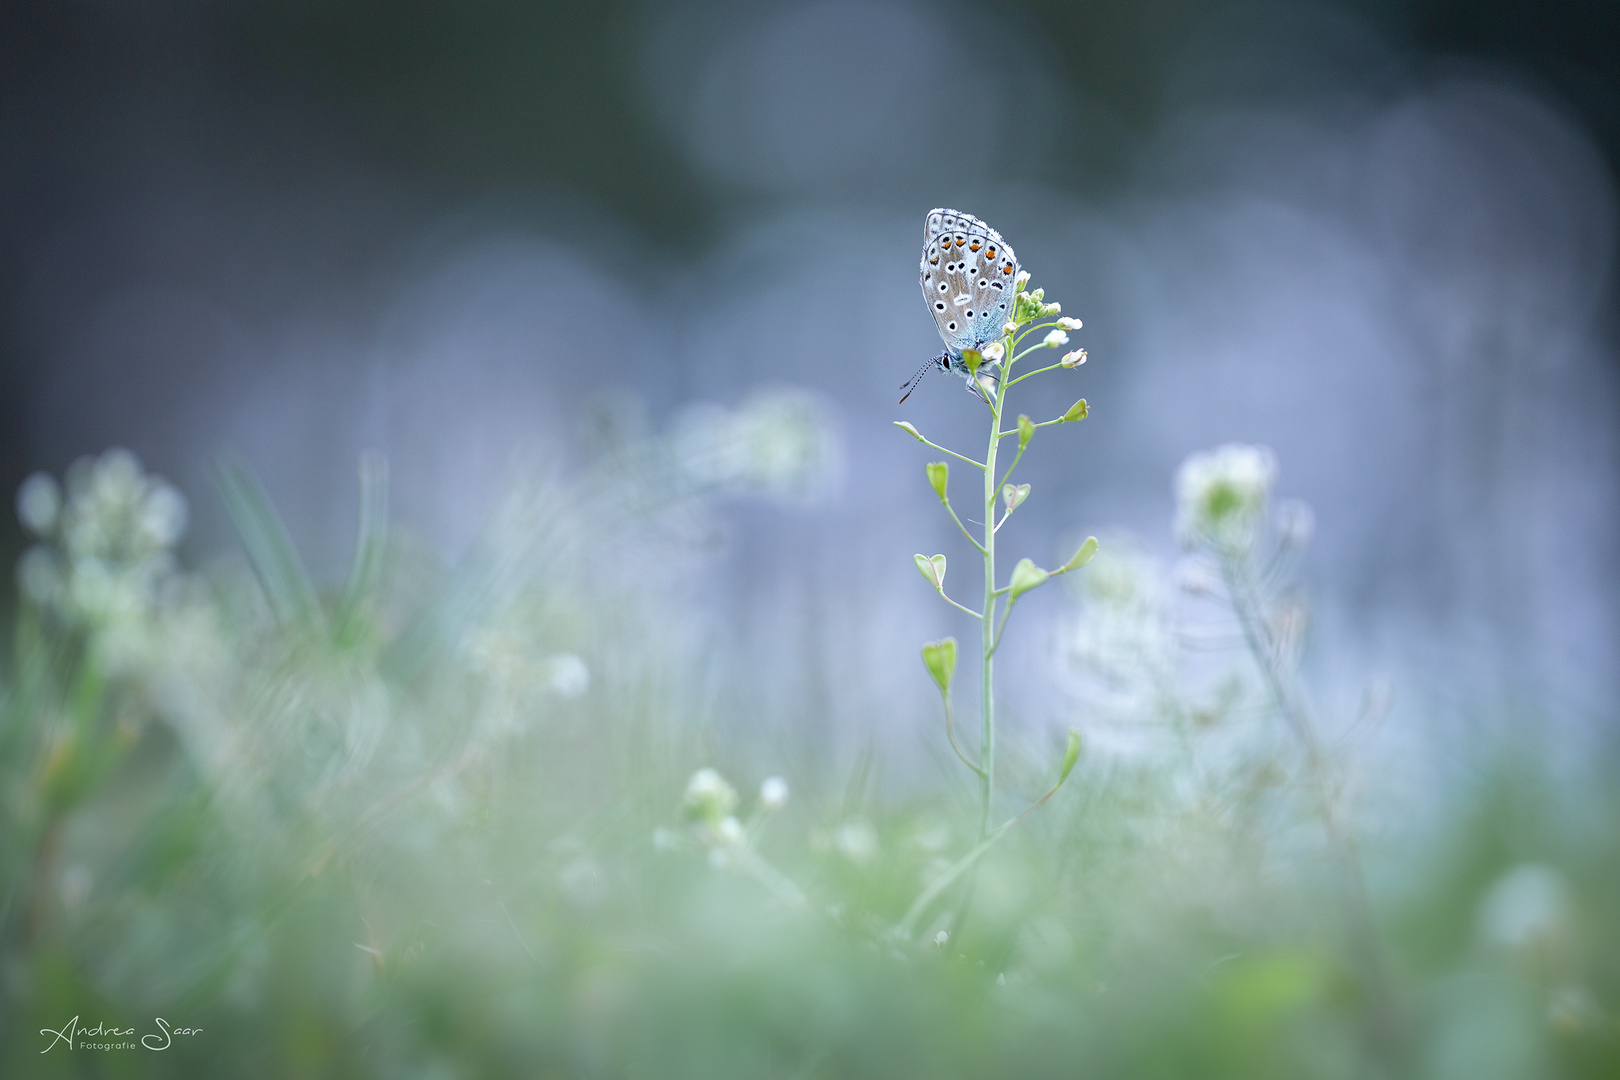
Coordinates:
[509,243]
[1374,236]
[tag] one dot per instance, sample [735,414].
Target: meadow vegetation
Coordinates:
[475,820]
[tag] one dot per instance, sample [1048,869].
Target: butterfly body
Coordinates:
[968,275]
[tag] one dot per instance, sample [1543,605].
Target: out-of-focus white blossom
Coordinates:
[1221,495]
[107,555]
[856,841]
[1527,908]
[1069,322]
[708,797]
[778,443]
[39,500]
[729,832]
[773,793]
[1054,339]
[568,675]
[993,352]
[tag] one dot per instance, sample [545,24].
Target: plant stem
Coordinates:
[1289,701]
[987,751]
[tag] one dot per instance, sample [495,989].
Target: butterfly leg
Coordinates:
[977,388]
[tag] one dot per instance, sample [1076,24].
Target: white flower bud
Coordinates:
[568,675]
[1010,328]
[708,797]
[993,352]
[1068,322]
[773,793]
[39,501]
[856,841]
[1073,359]
[162,514]
[942,938]
[729,832]
[1055,338]
[1020,281]
[1053,308]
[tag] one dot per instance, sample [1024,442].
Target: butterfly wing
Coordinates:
[967,273]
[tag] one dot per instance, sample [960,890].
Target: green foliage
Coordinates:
[462,821]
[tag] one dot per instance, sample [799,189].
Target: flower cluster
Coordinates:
[710,804]
[1032,305]
[778,443]
[1221,496]
[106,544]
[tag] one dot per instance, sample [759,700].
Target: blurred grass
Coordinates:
[387,832]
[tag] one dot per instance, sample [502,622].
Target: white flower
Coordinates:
[162,514]
[773,793]
[1528,906]
[1010,328]
[941,938]
[568,675]
[1073,359]
[993,352]
[1054,339]
[1069,323]
[1053,308]
[856,841]
[729,832]
[1221,495]
[1020,281]
[39,500]
[708,797]
[778,443]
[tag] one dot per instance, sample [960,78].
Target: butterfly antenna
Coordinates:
[911,384]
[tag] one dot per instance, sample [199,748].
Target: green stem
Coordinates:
[954,604]
[1016,457]
[1289,701]
[1037,371]
[951,511]
[987,745]
[950,733]
[1006,612]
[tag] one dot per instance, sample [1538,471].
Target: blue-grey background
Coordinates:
[1377,237]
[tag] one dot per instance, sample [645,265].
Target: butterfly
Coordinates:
[968,274]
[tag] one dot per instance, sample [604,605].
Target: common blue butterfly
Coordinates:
[968,274]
